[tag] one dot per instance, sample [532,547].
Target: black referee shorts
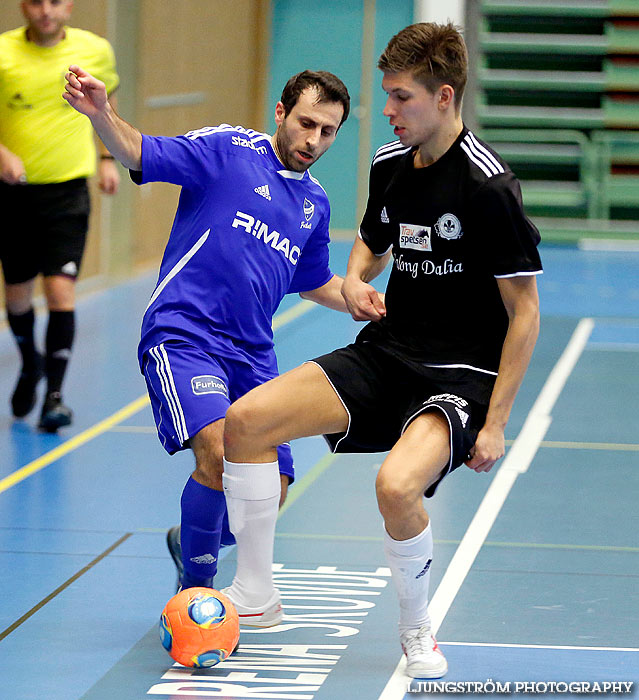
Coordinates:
[382,396]
[43,229]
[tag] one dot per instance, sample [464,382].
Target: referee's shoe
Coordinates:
[54,413]
[24,395]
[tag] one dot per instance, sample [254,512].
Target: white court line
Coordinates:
[561,647]
[515,463]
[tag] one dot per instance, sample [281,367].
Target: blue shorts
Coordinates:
[190,388]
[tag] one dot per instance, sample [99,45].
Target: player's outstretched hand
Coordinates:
[363,301]
[85,93]
[488,448]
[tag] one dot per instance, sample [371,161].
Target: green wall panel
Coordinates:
[327,35]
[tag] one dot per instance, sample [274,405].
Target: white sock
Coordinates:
[252,496]
[410,562]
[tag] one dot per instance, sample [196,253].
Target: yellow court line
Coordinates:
[46,459]
[82,438]
[291,314]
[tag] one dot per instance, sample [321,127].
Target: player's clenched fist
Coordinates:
[85,93]
[364,302]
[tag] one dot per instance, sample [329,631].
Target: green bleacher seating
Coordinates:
[616,40]
[554,77]
[557,230]
[511,42]
[620,114]
[548,117]
[618,173]
[614,77]
[566,8]
[538,155]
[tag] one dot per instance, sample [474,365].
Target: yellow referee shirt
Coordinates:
[54,141]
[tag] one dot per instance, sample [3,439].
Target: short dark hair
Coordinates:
[329,88]
[434,53]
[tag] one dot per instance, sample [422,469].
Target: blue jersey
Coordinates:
[246,232]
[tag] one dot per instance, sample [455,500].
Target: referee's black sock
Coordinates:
[22,328]
[60,332]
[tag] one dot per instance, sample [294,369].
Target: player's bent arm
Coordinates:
[363,301]
[364,264]
[103,151]
[120,138]
[88,96]
[329,294]
[108,175]
[520,298]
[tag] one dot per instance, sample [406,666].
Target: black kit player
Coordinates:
[433,377]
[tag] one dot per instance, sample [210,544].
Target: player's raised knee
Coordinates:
[245,422]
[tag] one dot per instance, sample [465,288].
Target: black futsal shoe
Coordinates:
[175,550]
[24,395]
[54,413]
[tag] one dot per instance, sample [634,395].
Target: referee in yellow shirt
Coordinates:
[47,152]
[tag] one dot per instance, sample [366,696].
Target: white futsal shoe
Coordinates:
[267,615]
[424,659]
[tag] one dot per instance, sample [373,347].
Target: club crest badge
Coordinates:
[309,209]
[449,227]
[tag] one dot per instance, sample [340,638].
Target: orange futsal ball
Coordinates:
[199,627]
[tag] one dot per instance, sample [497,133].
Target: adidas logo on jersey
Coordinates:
[263,191]
[384,216]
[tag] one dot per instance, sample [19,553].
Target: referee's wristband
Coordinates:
[106,156]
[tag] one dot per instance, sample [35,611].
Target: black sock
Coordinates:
[22,328]
[60,332]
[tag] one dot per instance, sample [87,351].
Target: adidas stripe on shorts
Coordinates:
[190,388]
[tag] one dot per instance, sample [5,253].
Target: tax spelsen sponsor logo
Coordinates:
[414,237]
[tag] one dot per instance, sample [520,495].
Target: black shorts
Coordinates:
[382,396]
[43,229]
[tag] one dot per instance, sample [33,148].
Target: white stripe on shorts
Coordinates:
[163,369]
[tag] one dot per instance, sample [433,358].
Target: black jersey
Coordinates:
[454,228]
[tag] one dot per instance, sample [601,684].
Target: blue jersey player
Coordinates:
[252,225]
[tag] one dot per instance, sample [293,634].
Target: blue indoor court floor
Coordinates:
[536,570]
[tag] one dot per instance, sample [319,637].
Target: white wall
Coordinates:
[440,11]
